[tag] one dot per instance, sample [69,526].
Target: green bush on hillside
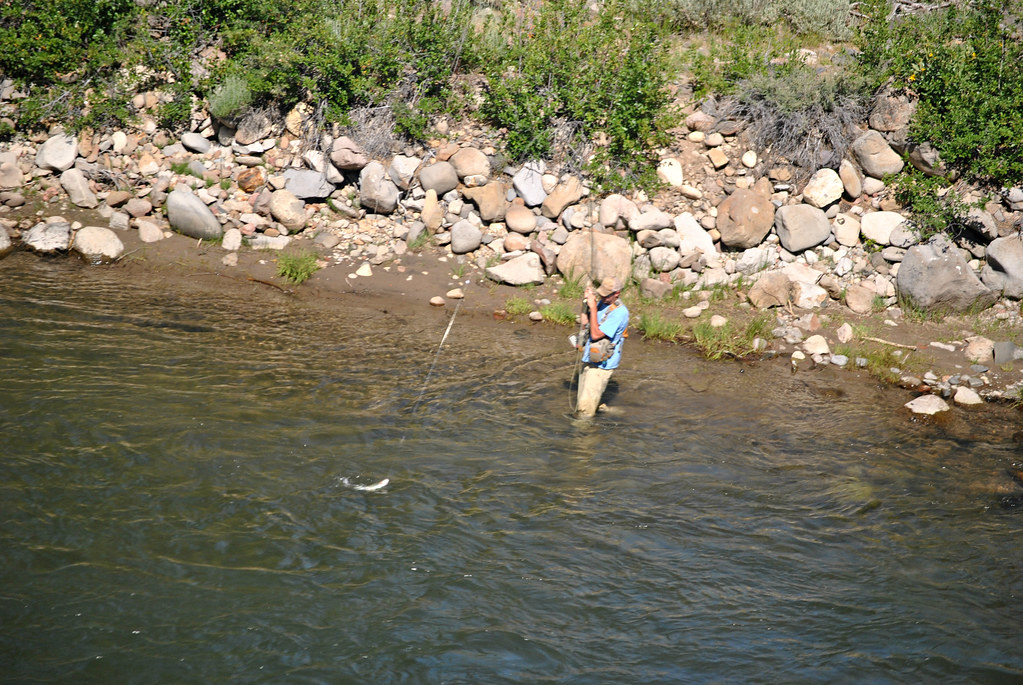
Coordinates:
[963,63]
[563,68]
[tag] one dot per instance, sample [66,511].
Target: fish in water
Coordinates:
[365,488]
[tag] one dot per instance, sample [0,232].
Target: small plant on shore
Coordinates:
[183,169]
[654,325]
[296,268]
[572,288]
[458,269]
[518,306]
[559,312]
[727,341]
[420,241]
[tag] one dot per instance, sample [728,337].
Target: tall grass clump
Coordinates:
[729,341]
[296,268]
[654,325]
[962,60]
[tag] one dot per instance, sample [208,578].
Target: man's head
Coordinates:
[609,288]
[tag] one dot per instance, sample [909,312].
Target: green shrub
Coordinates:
[933,205]
[230,98]
[559,312]
[565,74]
[517,306]
[46,39]
[963,64]
[653,325]
[296,267]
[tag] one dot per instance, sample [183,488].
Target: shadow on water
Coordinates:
[174,508]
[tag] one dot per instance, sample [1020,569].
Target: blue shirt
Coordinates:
[612,322]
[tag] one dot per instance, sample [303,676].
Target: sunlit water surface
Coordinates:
[172,507]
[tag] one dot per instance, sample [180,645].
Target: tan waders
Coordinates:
[592,383]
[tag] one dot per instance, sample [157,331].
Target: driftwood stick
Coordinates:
[889,342]
[272,285]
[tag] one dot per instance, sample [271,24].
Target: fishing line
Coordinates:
[436,356]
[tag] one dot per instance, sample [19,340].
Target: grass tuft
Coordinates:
[296,268]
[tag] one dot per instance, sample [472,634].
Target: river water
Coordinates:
[173,509]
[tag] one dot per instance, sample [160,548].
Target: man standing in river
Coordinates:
[608,320]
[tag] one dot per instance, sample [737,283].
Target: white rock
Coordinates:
[965,395]
[824,188]
[232,239]
[749,159]
[670,171]
[97,243]
[58,153]
[927,404]
[844,333]
[816,344]
[364,270]
[878,226]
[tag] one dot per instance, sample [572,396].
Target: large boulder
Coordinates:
[521,270]
[307,184]
[852,184]
[876,156]
[566,193]
[934,277]
[772,289]
[58,153]
[76,186]
[744,219]
[801,227]
[465,237]
[48,238]
[190,216]
[440,177]
[693,237]
[663,259]
[595,256]
[616,208]
[10,173]
[891,113]
[823,188]
[377,191]
[347,155]
[652,220]
[1004,270]
[97,244]
[287,209]
[491,200]
[520,219]
[402,170]
[469,161]
[528,183]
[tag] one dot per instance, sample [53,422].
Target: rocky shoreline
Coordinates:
[829,259]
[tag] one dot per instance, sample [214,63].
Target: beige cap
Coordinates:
[609,285]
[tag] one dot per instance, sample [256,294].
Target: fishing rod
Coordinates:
[436,356]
